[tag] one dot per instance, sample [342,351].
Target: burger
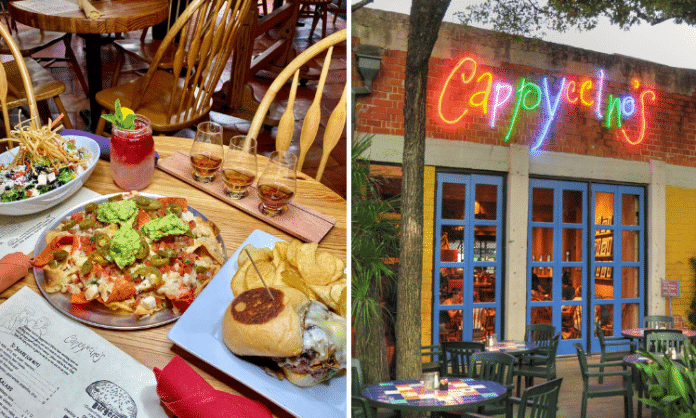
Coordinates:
[302,336]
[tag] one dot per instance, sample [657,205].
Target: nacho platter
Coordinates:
[94,313]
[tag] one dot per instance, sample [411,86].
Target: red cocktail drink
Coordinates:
[133,155]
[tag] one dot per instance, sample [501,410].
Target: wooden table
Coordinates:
[409,395]
[119,16]
[151,347]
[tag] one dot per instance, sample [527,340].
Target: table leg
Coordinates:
[94,77]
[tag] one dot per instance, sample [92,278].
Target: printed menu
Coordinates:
[52,366]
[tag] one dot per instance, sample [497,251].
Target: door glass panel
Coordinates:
[542,205]
[451,325]
[571,325]
[629,282]
[629,315]
[486,204]
[572,207]
[604,246]
[604,314]
[485,243]
[542,283]
[572,244]
[542,244]
[541,315]
[629,210]
[604,208]
[451,243]
[604,282]
[629,242]
[453,195]
[571,280]
[450,282]
[482,323]
[484,284]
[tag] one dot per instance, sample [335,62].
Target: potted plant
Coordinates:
[670,382]
[374,240]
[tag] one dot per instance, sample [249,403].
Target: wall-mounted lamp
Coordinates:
[369,62]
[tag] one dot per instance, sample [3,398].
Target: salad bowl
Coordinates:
[53,197]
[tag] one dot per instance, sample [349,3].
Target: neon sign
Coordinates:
[465,89]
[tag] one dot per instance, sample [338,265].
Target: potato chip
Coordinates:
[291,253]
[268,272]
[257,254]
[238,282]
[293,279]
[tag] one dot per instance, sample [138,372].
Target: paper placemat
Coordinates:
[299,221]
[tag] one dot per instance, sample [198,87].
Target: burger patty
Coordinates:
[306,363]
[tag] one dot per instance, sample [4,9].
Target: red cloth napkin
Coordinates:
[12,268]
[187,395]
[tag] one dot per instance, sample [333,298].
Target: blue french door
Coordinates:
[557,267]
[467,257]
[618,259]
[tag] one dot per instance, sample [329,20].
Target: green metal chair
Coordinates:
[542,335]
[623,388]
[540,401]
[543,365]
[359,408]
[493,366]
[456,357]
[659,341]
[658,321]
[430,358]
[609,345]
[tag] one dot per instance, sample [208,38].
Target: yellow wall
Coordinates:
[428,230]
[680,246]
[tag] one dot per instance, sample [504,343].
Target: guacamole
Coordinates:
[167,225]
[121,212]
[124,246]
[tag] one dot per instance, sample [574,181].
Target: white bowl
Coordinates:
[52,198]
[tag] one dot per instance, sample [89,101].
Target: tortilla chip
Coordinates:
[122,290]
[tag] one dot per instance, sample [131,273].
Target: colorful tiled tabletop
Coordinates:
[639,332]
[410,394]
[513,347]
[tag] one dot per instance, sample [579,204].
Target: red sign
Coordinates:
[671,288]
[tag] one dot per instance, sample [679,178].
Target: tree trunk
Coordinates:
[371,347]
[424,24]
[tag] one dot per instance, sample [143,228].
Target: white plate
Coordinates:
[52,198]
[96,314]
[199,331]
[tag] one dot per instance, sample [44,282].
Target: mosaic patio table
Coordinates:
[409,395]
[515,348]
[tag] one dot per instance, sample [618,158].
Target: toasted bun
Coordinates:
[255,325]
[304,380]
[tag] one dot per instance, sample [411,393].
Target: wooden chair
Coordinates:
[31,41]
[204,35]
[540,401]
[23,82]
[456,356]
[658,321]
[338,8]
[608,347]
[337,119]
[543,366]
[623,388]
[144,49]
[317,10]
